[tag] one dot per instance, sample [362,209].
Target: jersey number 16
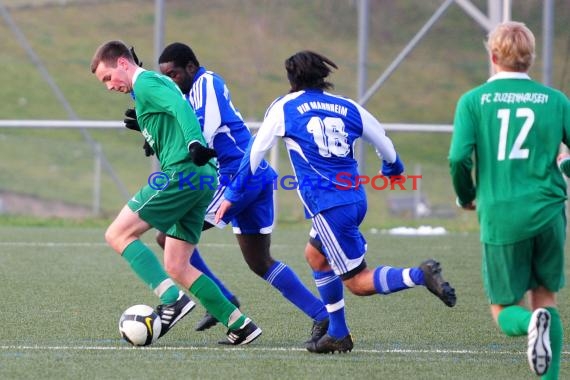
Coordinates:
[329,135]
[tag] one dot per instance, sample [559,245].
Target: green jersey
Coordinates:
[166,120]
[514,127]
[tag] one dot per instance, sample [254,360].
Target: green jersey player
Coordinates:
[514,126]
[176,202]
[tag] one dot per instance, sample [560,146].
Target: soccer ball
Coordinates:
[140,325]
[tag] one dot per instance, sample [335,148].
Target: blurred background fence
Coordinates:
[81,172]
[53,172]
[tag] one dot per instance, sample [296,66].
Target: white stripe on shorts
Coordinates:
[214,206]
[337,258]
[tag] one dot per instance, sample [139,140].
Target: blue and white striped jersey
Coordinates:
[319,130]
[222,124]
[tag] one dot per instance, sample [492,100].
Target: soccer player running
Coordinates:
[319,130]
[514,126]
[196,259]
[252,219]
[177,208]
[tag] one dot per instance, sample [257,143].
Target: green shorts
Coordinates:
[177,210]
[510,270]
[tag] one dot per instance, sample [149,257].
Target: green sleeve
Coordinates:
[564,165]
[566,120]
[461,151]
[167,97]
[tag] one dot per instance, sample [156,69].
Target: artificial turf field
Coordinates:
[63,291]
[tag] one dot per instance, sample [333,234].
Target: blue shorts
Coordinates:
[337,230]
[253,214]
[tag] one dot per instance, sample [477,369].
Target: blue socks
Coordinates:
[282,278]
[390,280]
[332,293]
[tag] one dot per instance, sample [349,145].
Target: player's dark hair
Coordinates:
[178,53]
[109,52]
[138,62]
[307,69]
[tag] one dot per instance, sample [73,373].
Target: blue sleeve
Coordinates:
[245,179]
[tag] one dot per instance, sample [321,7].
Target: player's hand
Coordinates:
[148,151]
[392,169]
[200,154]
[561,157]
[224,207]
[563,163]
[468,206]
[131,120]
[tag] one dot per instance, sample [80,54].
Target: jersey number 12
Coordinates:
[517,152]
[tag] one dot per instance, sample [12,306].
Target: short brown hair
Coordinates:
[109,52]
[512,43]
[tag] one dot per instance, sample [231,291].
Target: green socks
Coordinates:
[210,296]
[514,320]
[145,264]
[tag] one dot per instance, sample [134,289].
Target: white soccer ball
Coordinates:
[140,325]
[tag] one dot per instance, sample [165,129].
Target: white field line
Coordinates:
[98,244]
[257,349]
[101,244]
[108,348]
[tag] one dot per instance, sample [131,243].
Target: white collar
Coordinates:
[508,75]
[138,71]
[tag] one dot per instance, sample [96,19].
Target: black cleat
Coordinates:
[327,344]
[171,314]
[246,334]
[208,320]
[318,330]
[539,352]
[436,284]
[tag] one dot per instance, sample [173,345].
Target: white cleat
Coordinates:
[539,352]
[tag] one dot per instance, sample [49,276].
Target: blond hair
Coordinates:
[512,44]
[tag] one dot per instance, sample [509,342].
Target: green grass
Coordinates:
[64,290]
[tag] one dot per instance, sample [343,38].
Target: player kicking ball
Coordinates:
[172,130]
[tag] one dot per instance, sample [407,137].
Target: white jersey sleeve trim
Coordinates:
[375,134]
[272,127]
[212,116]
